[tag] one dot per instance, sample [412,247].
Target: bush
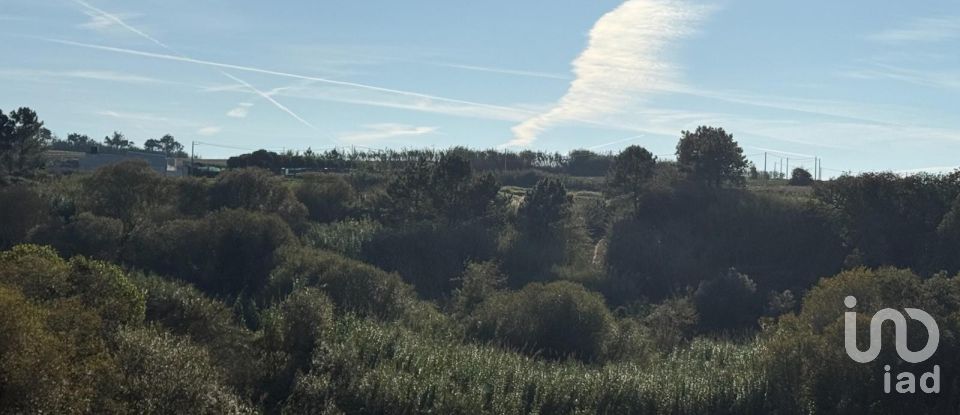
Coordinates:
[557,320]
[327,197]
[292,331]
[86,234]
[728,302]
[127,191]
[193,195]
[257,190]
[353,286]
[806,357]
[184,311]
[672,322]
[431,255]
[22,209]
[800,177]
[227,252]
[45,277]
[684,236]
[40,370]
[54,316]
[480,281]
[168,374]
[297,325]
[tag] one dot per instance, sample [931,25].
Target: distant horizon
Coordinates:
[774,158]
[863,91]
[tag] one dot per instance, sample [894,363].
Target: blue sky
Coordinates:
[863,85]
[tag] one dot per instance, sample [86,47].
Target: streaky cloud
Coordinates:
[624,60]
[926,29]
[374,132]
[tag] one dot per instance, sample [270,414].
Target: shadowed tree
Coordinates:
[22,141]
[800,177]
[710,156]
[630,172]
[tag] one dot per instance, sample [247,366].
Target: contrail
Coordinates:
[120,22]
[616,142]
[287,75]
[780,152]
[268,97]
[140,33]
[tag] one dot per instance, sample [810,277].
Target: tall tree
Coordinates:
[801,177]
[117,140]
[170,145]
[543,208]
[630,172]
[22,142]
[709,155]
[152,145]
[77,139]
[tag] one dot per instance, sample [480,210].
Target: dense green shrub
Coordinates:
[480,281]
[682,236]
[44,277]
[728,302]
[128,191]
[162,373]
[21,209]
[327,197]
[353,286]
[431,255]
[85,234]
[257,190]
[193,195]
[893,220]
[555,320]
[808,364]
[52,358]
[672,322]
[184,311]
[292,331]
[55,316]
[226,252]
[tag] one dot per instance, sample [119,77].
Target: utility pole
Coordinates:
[193,145]
[788,167]
[765,173]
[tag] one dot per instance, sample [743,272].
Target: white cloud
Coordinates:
[926,29]
[624,60]
[12,18]
[374,132]
[134,116]
[104,23]
[96,75]
[209,131]
[240,111]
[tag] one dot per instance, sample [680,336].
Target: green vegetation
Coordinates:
[416,282]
